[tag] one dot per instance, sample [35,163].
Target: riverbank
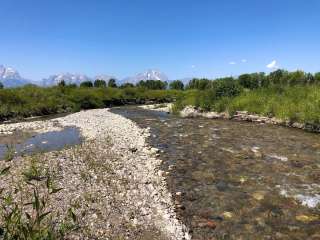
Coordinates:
[191,111]
[287,105]
[194,112]
[112,182]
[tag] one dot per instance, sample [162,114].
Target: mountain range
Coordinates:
[11,78]
[71,78]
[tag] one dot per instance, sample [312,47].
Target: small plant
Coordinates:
[10,153]
[33,172]
[32,219]
[21,222]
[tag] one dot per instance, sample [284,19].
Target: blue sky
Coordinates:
[182,38]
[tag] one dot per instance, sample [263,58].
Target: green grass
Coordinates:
[295,103]
[36,101]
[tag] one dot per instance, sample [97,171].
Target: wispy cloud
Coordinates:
[244,60]
[272,65]
[193,66]
[232,63]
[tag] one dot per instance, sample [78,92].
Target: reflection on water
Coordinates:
[238,180]
[26,142]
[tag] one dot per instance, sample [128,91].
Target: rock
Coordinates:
[207,224]
[307,218]
[242,179]
[160,173]
[227,215]
[189,111]
[181,207]
[315,237]
[133,149]
[154,150]
[171,167]
[258,195]
[222,186]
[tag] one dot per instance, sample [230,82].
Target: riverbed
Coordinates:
[228,179]
[238,180]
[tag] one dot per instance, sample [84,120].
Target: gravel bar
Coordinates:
[145,198]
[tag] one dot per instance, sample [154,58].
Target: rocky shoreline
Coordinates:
[190,111]
[193,112]
[114,177]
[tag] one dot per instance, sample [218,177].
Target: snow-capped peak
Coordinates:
[9,77]
[69,78]
[147,75]
[72,78]
[8,73]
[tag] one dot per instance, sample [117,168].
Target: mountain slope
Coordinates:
[9,77]
[69,78]
[148,75]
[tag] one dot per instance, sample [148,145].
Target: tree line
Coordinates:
[248,81]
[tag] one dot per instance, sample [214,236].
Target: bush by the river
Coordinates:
[299,102]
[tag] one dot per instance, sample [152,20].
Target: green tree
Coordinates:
[152,84]
[277,77]
[87,84]
[317,77]
[227,88]
[297,77]
[201,84]
[177,85]
[112,83]
[62,83]
[100,83]
[72,85]
[310,78]
[127,85]
[249,81]
[1,85]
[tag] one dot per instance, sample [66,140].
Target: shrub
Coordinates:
[176,85]
[87,84]
[152,84]
[112,83]
[100,83]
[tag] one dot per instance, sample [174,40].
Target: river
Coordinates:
[238,180]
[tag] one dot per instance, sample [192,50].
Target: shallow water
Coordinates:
[27,142]
[238,180]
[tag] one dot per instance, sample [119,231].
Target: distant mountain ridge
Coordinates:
[10,77]
[147,75]
[72,78]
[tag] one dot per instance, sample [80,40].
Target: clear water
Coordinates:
[27,142]
[238,180]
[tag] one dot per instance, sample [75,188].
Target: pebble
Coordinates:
[307,218]
[258,196]
[207,224]
[227,215]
